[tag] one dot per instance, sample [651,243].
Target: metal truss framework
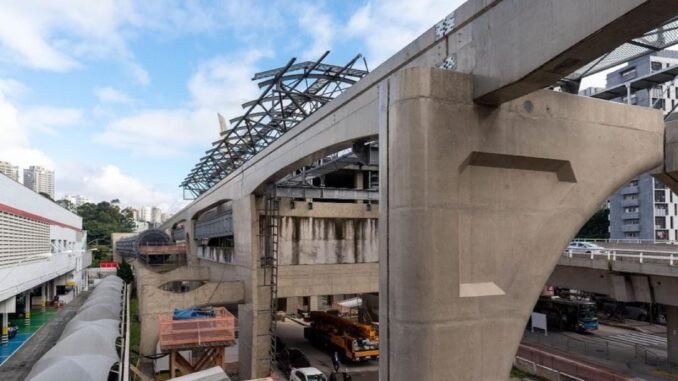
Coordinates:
[291,93]
[655,40]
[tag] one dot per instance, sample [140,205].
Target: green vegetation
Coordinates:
[125,272]
[104,218]
[101,253]
[134,330]
[598,226]
[515,372]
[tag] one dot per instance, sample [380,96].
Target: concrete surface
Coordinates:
[17,367]
[153,300]
[479,206]
[543,48]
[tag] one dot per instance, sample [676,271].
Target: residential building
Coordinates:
[145,213]
[9,170]
[156,216]
[39,179]
[77,200]
[645,208]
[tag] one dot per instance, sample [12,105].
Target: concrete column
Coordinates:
[672,334]
[254,317]
[293,304]
[191,243]
[477,205]
[359,181]
[27,308]
[4,338]
[313,302]
[43,296]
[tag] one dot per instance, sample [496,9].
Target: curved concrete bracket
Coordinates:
[479,205]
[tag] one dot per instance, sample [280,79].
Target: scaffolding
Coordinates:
[290,94]
[206,337]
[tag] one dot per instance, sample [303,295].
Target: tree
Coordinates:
[104,218]
[46,195]
[67,204]
[125,272]
[598,226]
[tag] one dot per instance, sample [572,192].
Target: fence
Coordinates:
[218,330]
[640,256]
[608,351]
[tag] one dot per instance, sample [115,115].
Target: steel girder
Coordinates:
[291,93]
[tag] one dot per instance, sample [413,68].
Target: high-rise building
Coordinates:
[145,213]
[156,216]
[645,208]
[9,170]
[39,179]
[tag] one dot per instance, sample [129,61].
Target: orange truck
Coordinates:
[352,340]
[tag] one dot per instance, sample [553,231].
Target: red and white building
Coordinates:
[42,250]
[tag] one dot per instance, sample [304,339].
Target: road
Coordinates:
[292,334]
[619,349]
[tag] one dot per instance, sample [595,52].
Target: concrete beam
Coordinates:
[523,46]
[303,280]
[667,173]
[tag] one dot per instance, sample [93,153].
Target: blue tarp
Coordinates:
[193,313]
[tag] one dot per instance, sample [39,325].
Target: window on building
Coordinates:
[631,235]
[660,222]
[633,183]
[633,196]
[675,92]
[659,196]
[656,66]
[628,74]
[661,235]
[671,222]
[658,184]
[658,103]
[631,209]
[632,221]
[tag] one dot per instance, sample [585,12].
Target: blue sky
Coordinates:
[120,97]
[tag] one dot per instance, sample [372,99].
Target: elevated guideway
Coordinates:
[470,147]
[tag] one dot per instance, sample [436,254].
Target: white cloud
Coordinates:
[14,144]
[109,182]
[111,95]
[221,84]
[388,26]
[320,27]
[11,88]
[49,119]
[161,132]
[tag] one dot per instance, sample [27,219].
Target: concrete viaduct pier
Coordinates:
[484,178]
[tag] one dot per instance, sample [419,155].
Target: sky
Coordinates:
[120,97]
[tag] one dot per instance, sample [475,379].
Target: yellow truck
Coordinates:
[352,340]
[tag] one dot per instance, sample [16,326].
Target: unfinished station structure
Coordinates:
[472,150]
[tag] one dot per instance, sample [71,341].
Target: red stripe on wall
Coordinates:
[34,217]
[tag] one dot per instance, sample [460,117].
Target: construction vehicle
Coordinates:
[353,341]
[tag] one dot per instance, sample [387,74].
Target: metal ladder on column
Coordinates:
[269,262]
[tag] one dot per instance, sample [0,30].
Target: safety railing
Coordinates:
[640,256]
[630,354]
[216,330]
[627,241]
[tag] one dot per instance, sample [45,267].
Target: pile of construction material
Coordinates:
[87,347]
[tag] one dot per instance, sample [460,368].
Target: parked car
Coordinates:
[585,247]
[291,358]
[307,374]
